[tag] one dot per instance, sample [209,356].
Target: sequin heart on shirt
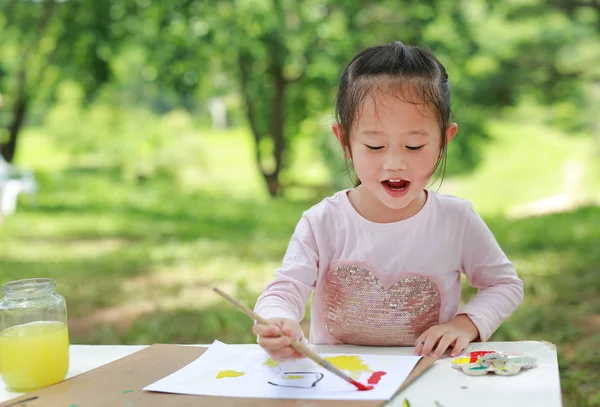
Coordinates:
[358,310]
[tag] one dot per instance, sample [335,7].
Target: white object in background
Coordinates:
[14,181]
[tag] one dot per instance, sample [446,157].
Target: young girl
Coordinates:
[385,258]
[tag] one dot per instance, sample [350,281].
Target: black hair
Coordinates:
[394,64]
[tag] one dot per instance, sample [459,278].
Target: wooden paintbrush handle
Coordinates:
[241,307]
[309,353]
[299,346]
[306,351]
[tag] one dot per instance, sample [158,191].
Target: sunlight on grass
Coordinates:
[541,263]
[37,150]
[521,163]
[137,258]
[54,249]
[230,165]
[527,162]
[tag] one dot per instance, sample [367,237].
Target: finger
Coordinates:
[445,341]
[293,358]
[266,330]
[461,344]
[297,353]
[284,354]
[287,331]
[419,343]
[430,341]
[292,329]
[274,343]
[256,329]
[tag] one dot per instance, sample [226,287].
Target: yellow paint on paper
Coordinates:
[353,364]
[349,363]
[229,373]
[293,377]
[271,363]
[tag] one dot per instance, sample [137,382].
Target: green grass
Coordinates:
[136,261]
[529,162]
[558,258]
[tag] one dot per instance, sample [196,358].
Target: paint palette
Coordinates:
[480,363]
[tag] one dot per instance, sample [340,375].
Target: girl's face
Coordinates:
[394,148]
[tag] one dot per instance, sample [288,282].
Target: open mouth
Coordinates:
[396,184]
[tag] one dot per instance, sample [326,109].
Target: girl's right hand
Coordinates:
[277,346]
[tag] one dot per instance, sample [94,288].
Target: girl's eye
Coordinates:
[374,147]
[415,148]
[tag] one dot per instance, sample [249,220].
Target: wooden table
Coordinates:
[450,387]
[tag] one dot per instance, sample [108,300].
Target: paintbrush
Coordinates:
[299,346]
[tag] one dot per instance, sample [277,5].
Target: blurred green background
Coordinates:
[176,144]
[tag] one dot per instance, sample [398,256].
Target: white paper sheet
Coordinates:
[228,371]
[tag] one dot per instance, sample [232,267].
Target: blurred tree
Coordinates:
[284,58]
[43,42]
[556,55]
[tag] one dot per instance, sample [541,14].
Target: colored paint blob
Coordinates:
[477,354]
[351,363]
[376,377]
[478,368]
[462,360]
[293,377]
[229,373]
[271,363]
[360,386]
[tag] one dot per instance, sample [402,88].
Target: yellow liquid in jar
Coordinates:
[34,355]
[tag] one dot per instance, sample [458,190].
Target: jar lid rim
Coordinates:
[28,283]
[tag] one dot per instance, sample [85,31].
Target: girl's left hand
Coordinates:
[457,333]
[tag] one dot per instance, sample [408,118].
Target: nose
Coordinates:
[394,161]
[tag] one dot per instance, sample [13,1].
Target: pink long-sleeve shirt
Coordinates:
[383,284]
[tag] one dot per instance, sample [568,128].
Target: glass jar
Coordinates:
[34,340]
